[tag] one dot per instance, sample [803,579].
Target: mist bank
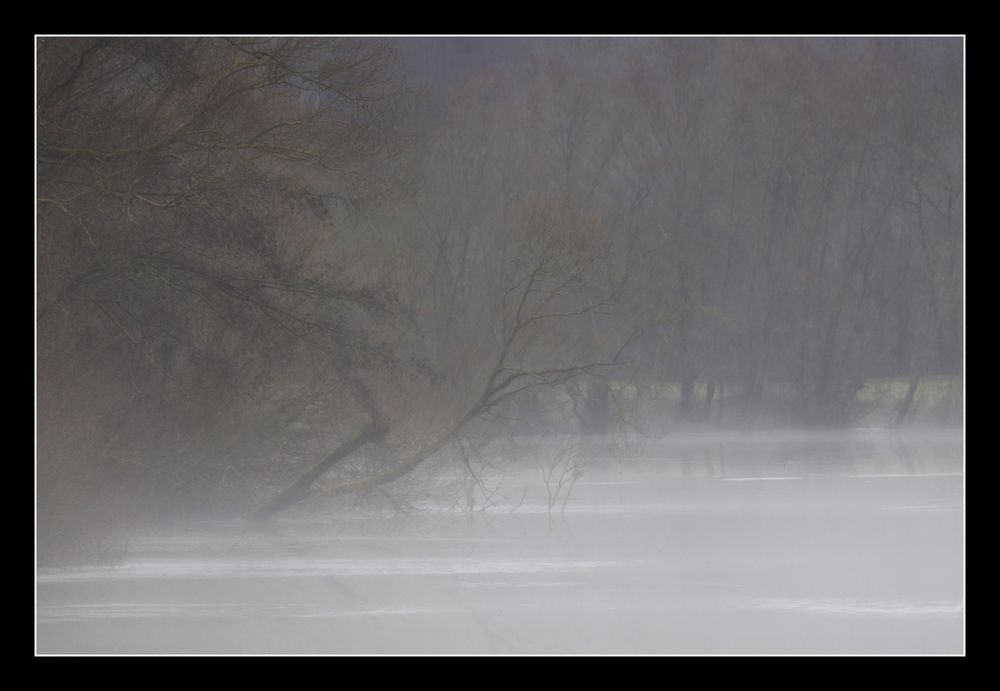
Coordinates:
[739,542]
[265,268]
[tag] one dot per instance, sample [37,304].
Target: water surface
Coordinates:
[760,543]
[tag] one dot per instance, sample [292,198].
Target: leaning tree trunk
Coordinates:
[303,486]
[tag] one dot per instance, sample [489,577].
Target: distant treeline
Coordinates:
[261,262]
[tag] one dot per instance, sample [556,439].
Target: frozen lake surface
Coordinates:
[758,543]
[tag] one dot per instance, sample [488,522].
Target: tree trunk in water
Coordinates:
[596,417]
[753,391]
[687,398]
[301,489]
[709,395]
[907,404]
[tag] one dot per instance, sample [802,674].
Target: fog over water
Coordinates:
[742,543]
[500,345]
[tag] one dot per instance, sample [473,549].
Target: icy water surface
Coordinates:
[764,543]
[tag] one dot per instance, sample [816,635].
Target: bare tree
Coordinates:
[195,285]
[255,279]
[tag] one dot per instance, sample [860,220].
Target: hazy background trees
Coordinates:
[263,262]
